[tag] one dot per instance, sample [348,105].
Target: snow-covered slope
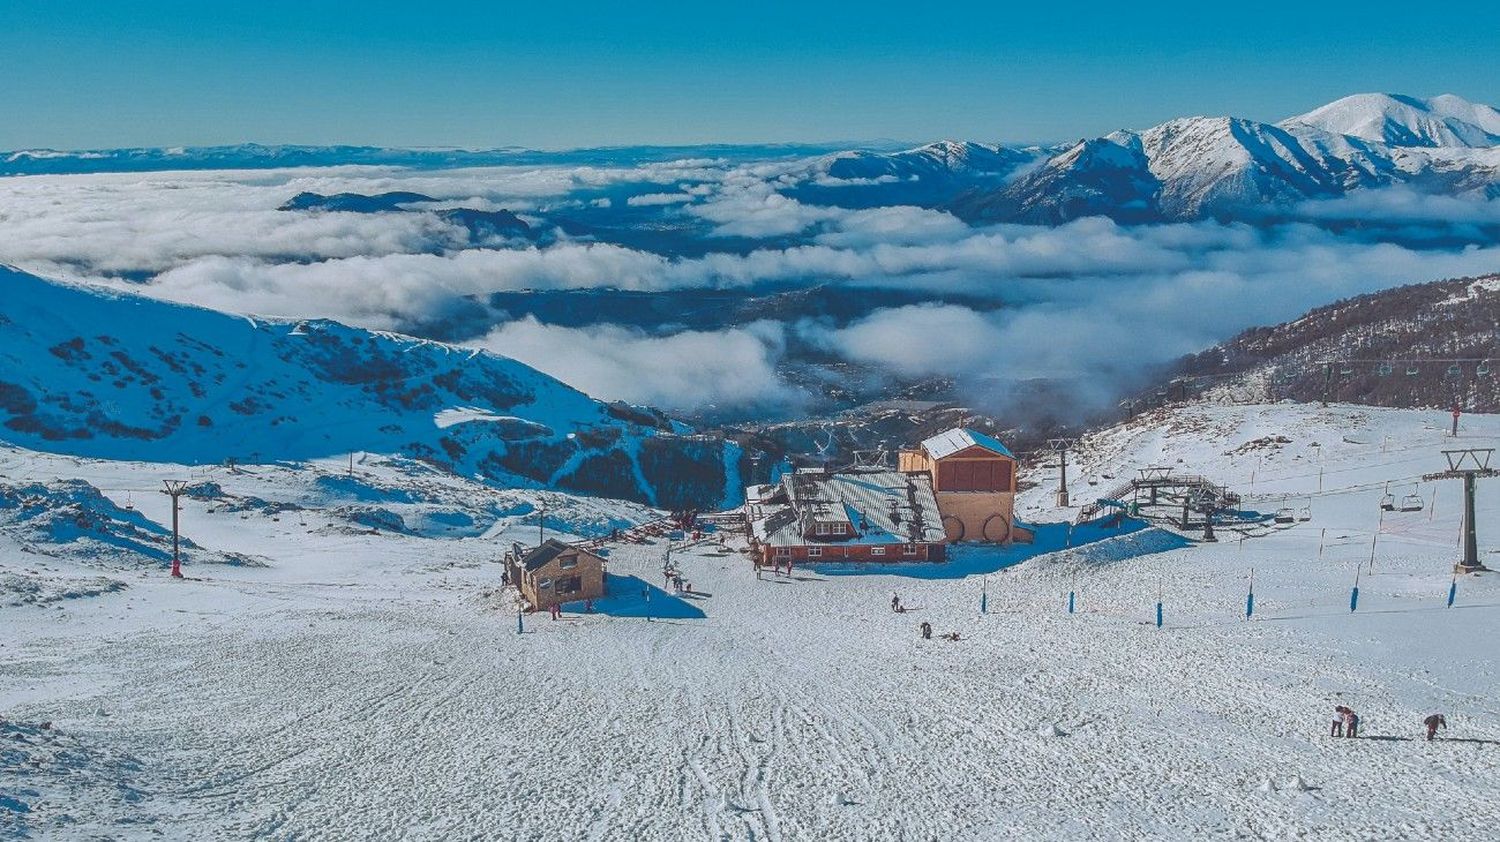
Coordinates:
[1398,120]
[117,376]
[377,684]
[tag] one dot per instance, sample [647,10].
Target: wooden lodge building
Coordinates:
[816,516]
[956,486]
[974,481]
[555,573]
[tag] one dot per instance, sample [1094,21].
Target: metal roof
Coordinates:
[950,442]
[537,557]
[882,507]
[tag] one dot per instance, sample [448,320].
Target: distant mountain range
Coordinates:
[1184,169]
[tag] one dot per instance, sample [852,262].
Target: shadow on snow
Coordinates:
[978,559]
[630,596]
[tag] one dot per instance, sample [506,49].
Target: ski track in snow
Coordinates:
[364,687]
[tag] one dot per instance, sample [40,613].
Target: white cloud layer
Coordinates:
[1090,298]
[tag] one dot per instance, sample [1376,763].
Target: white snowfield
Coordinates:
[374,686]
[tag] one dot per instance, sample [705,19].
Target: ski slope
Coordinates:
[373,684]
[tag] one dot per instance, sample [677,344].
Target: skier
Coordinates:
[926,628]
[1434,722]
[896,603]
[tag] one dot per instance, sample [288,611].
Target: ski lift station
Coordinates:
[957,486]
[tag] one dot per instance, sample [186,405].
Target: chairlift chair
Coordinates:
[1346,370]
[1454,370]
[1305,513]
[1286,516]
[1384,369]
[1388,502]
[1483,370]
[1412,503]
[1411,370]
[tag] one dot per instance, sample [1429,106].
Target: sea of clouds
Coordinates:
[1091,301]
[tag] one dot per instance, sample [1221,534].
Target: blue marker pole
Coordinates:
[1158,614]
[1452,591]
[1071,597]
[520,624]
[1250,598]
[984,602]
[1354,593]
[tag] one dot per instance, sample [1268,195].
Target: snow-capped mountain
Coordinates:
[111,375]
[1397,120]
[1228,167]
[1107,176]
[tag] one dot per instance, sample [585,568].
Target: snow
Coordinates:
[1443,121]
[376,683]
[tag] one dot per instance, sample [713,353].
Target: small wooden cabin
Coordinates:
[555,573]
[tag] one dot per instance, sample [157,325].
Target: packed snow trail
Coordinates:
[375,686]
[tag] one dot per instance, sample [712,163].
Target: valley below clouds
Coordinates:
[751,300]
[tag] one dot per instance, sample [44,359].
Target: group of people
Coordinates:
[1346,723]
[776,564]
[925,629]
[674,581]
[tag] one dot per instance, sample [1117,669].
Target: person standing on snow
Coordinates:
[1434,722]
[1351,723]
[1337,729]
[926,628]
[896,603]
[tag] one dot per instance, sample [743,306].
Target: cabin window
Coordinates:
[909,549]
[545,584]
[783,551]
[822,529]
[838,529]
[877,551]
[569,563]
[814,552]
[569,584]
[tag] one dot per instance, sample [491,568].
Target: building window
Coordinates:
[783,551]
[838,529]
[569,584]
[814,552]
[569,563]
[877,551]
[544,584]
[909,549]
[822,529]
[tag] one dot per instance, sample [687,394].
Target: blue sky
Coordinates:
[99,74]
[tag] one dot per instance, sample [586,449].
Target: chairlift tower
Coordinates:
[1060,447]
[174,489]
[1469,465]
